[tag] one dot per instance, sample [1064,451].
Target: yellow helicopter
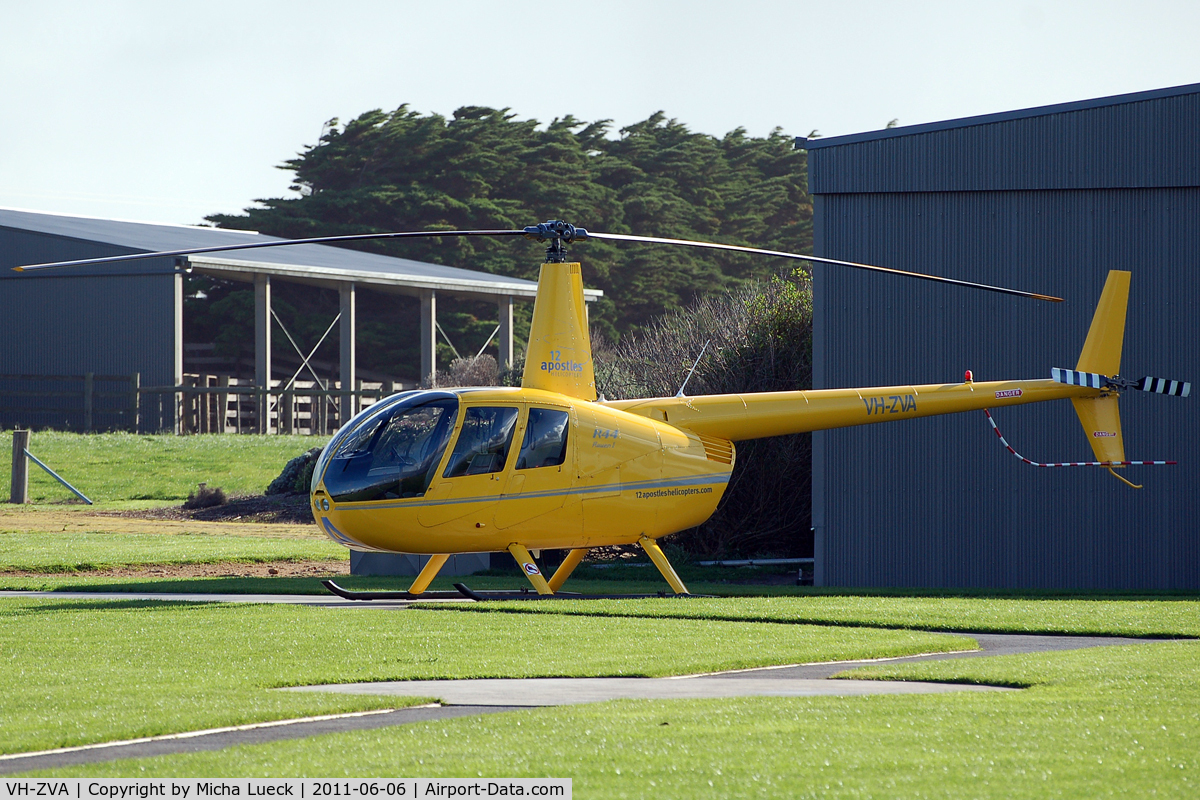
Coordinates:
[549,466]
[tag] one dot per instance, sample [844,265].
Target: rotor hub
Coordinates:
[558,233]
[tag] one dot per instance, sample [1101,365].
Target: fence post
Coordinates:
[222,404]
[190,418]
[20,468]
[205,402]
[135,402]
[287,411]
[89,385]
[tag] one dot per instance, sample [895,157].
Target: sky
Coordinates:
[169,111]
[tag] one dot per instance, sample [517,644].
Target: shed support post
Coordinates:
[177,375]
[20,468]
[135,402]
[89,393]
[346,363]
[429,337]
[505,337]
[262,350]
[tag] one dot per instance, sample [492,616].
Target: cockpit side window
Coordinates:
[545,442]
[484,442]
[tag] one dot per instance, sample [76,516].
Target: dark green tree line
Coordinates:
[484,168]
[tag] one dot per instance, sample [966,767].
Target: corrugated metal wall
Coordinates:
[112,321]
[938,502]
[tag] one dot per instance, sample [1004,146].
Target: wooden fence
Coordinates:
[201,404]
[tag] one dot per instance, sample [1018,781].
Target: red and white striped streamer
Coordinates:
[1004,442]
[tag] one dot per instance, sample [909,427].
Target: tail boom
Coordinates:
[739,417]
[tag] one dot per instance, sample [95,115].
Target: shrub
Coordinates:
[296,475]
[205,497]
[759,340]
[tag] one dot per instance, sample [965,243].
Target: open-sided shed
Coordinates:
[127,318]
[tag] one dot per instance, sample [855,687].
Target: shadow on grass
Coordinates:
[101,605]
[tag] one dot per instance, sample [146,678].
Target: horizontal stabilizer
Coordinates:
[1095,380]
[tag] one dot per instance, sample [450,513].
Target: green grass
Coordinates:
[1169,616]
[1109,722]
[113,467]
[73,672]
[71,552]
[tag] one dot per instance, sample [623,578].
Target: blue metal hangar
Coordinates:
[127,318]
[1048,200]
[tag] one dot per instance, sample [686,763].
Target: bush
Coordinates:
[474,371]
[296,475]
[205,497]
[759,340]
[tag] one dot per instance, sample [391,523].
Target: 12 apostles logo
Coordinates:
[556,363]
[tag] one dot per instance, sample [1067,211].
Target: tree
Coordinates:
[484,168]
[759,339]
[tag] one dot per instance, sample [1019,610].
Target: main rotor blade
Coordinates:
[255,245]
[798,257]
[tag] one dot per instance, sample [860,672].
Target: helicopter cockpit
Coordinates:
[391,450]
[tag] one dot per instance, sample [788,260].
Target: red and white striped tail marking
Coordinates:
[1004,442]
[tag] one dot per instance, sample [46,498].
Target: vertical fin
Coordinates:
[559,355]
[1102,348]
[1101,422]
[1101,354]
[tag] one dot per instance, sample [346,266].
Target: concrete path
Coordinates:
[221,738]
[574,691]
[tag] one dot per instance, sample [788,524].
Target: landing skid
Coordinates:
[349,594]
[465,591]
[526,594]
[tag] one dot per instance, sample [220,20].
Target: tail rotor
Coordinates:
[1095,380]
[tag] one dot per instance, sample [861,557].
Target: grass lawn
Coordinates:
[1113,721]
[70,552]
[1111,614]
[112,467]
[1106,722]
[73,672]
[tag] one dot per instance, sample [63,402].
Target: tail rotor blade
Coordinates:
[1072,377]
[1164,386]
[1094,380]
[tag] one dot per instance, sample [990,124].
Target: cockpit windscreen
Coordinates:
[392,455]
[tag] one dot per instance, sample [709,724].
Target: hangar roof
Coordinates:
[1131,141]
[1003,116]
[305,263]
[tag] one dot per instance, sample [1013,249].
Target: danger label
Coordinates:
[1008,393]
